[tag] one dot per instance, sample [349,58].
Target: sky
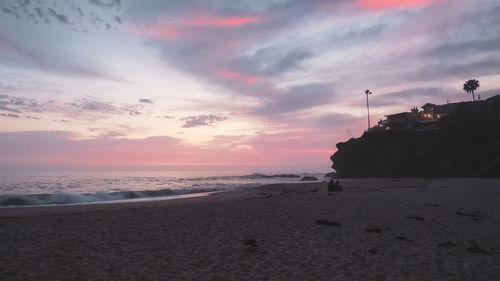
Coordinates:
[227,83]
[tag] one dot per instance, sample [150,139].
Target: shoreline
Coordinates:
[376,229]
[209,196]
[192,198]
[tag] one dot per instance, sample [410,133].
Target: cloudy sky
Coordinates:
[230,82]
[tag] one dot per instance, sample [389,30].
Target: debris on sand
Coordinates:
[327,222]
[374,230]
[404,239]
[476,249]
[250,242]
[418,218]
[471,215]
[447,244]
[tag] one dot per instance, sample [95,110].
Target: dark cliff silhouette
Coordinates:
[463,143]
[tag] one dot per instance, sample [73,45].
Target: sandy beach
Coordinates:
[376,229]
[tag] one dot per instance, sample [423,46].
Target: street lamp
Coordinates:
[367,93]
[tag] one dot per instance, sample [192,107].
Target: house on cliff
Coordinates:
[400,121]
[428,118]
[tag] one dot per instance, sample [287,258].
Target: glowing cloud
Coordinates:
[211,20]
[238,76]
[159,31]
[175,27]
[387,4]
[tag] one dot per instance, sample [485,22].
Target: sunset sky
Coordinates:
[271,82]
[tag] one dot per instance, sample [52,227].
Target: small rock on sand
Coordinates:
[251,243]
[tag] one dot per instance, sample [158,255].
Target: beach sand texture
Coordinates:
[376,229]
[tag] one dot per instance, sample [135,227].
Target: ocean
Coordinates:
[44,188]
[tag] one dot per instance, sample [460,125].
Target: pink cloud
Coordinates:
[160,31]
[387,4]
[184,25]
[238,76]
[58,148]
[214,20]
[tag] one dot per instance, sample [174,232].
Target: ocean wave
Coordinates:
[240,177]
[75,189]
[68,198]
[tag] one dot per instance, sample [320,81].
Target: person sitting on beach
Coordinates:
[334,186]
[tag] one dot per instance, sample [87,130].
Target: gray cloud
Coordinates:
[60,17]
[462,43]
[5,108]
[9,115]
[411,97]
[291,60]
[465,42]
[272,61]
[76,14]
[454,50]
[19,104]
[456,69]
[166,117]
[107,3]
[17,101]
[92,105]
[334,121]
[297,98]
[72,109]
[204,52]
[202,120]
[149,101]
[47,58]
[488,93]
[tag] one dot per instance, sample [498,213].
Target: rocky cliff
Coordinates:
[467,145]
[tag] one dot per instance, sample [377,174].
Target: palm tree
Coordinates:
[367,93]
[470,86]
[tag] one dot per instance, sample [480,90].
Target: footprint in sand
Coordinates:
[327,222]
[447,244]
[473,217]
[250,242]
[374,230]
[474,248]
[252,246]
[404,239]
[418,218]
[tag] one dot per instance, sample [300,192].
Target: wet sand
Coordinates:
[376,229]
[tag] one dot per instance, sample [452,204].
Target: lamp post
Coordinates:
[367,93]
